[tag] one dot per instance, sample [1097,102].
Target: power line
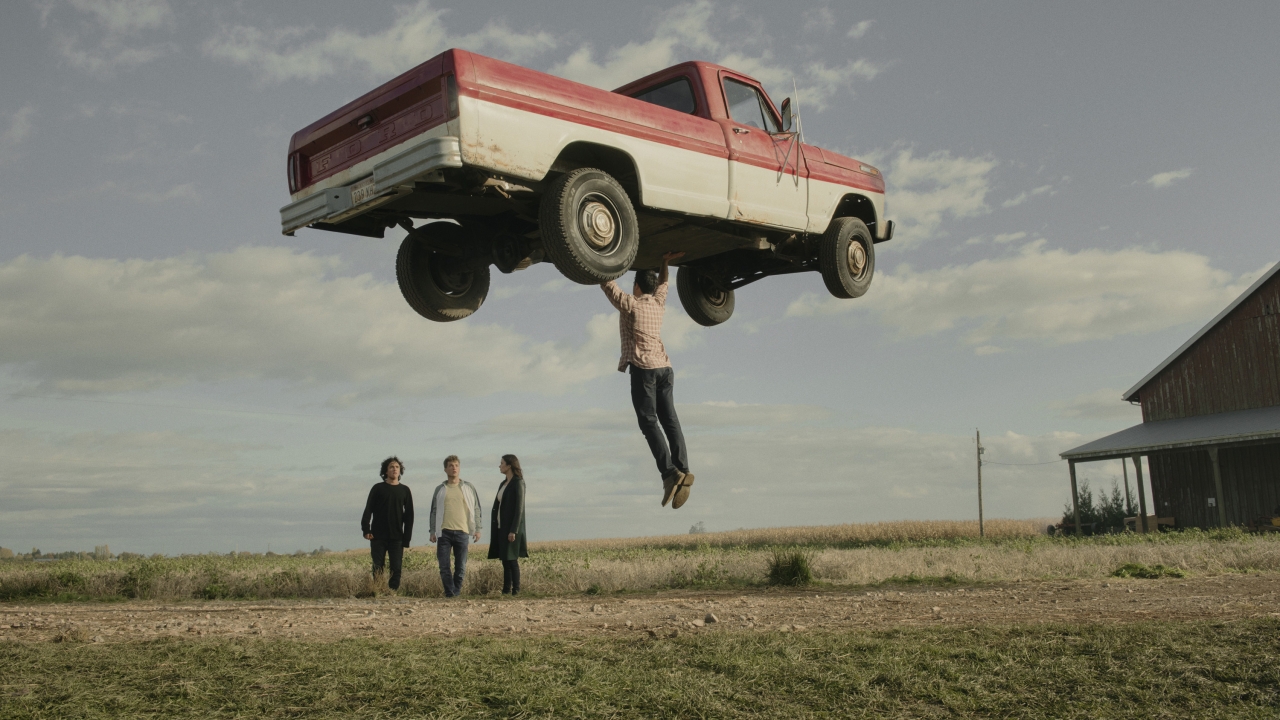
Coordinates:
[1051,462]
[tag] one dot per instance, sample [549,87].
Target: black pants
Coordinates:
[654,400]
[511,577]
[380,549]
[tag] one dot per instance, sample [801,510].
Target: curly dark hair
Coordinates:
[388,461]
[647,280]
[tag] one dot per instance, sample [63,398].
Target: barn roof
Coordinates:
[1183,433]
[1132,395]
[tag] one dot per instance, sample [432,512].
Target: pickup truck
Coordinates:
[485,163]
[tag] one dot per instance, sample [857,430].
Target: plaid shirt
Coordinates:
[640,327]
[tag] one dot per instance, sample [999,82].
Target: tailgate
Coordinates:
[380,120]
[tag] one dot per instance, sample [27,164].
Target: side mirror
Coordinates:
[786,115]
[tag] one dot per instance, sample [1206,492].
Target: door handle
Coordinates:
[741,131]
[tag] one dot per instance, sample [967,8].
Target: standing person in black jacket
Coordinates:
[506,539]
[387,522]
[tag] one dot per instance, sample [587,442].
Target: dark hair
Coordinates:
[513,462]
[647,280]
[388,461]
[452,458]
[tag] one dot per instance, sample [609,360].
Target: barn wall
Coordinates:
[1182,483]
[1235,366]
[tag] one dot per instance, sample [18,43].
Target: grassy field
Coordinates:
[1102,657]
[1147,670]
[839,555]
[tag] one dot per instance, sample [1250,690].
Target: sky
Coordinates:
[1078,188]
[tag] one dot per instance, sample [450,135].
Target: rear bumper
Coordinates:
[391,179]
[886,228]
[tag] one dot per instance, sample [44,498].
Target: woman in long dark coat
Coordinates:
[506,541]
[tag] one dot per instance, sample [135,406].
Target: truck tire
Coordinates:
[706,304]
[847,257]
[437,286]
[588,226]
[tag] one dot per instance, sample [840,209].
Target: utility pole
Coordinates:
[978,436]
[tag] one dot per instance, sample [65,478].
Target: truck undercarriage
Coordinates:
[498,224]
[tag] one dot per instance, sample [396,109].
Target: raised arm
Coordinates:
[621,301]
[666,262]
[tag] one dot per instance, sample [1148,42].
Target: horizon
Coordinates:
[176,375]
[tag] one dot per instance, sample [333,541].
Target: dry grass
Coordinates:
[849,535]
[841,555]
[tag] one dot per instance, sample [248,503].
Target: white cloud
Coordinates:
[100,36]
[824,82]
[1004,238]
[1165,179]
[127,16]
[75,324]
[687,32]
[417,33]
[685,27]
[1104,404]
[1024,196]
[21,124]
[589,471]
[818,19]
[168,491]
[860,29]
[762,465]
[1047,296]
[924,191]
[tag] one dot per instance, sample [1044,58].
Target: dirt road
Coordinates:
[1223,597]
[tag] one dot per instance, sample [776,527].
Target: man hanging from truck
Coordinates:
[652,379]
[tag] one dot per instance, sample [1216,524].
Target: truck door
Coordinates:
[768,183]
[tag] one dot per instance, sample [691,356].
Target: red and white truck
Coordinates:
[532,168]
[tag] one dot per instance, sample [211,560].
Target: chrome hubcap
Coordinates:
[714,295]
[857,258]
[598,224]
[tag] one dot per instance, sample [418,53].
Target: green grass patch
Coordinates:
[791,566]
[1201,670]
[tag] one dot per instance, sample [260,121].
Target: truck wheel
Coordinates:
[437,286]
[706,304]
[589,228]
[847,257]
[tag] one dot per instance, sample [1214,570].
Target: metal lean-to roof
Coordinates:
[1183,433]
[1133,391]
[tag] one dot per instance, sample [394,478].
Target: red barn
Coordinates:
[1210,419]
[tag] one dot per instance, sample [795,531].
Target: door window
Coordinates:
[676,95]
[746,106]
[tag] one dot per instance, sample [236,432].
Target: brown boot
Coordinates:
[669,486]
[682,492]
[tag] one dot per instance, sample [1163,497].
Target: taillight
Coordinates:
[451,86]
[298,172]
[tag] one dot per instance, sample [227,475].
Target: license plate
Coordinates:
[362,191]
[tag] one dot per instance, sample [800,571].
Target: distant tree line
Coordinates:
[103,552]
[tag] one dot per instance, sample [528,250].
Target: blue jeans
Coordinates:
[456,541]
[653,397]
